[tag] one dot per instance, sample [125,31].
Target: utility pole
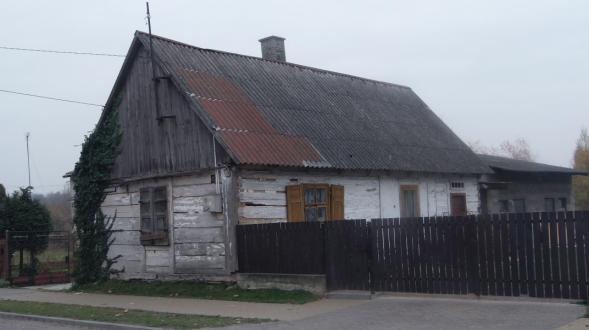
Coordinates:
[28,160]
[153,75]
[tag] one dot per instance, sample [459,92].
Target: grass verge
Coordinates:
[201,290]
[124,316]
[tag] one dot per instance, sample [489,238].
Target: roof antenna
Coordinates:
[28,160]
[153,76]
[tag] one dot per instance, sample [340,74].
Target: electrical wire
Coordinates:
[60,51]
[52,98]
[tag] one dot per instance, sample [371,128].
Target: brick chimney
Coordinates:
[273,48]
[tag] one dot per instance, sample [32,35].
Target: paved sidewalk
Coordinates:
[429,313]
[282,312]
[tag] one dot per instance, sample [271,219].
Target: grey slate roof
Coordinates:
[266,111]
[514,165]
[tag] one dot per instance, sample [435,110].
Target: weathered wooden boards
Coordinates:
[534,254]
[197,238]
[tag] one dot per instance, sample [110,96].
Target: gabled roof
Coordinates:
[514,165]
[282,114]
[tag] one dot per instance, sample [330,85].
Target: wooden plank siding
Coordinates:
[178,143]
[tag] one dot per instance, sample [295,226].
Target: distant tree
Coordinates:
[480,148]
[581,163]
[518,149]
[60,208]
[2,192]
[28,217]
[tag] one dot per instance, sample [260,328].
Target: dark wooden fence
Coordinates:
[535,254]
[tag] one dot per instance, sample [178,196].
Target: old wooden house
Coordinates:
[212,139]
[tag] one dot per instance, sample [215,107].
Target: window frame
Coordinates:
[326,204]
[506,203]
[157,207]
[547,200]
[564,200]
[524,203]
[415,189]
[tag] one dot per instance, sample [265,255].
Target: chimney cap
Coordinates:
[271,37]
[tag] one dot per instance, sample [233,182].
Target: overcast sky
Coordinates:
[492,70]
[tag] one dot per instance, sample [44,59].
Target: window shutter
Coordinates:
[294,203]
[336,203]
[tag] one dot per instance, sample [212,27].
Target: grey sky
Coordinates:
[492,70]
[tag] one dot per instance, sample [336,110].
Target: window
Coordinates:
[457,185]
[562,203]
[154,216]
[314,202]
[409,200]
[549,205]
[504,206]
[519,205]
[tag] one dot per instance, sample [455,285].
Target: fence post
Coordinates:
[370,255]
[473,255]
[6,258]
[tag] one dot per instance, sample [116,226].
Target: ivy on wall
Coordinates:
[90,178]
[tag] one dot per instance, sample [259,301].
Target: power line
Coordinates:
[60,51]
[52,98]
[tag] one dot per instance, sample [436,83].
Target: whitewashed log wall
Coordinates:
[262,194]
[197,235]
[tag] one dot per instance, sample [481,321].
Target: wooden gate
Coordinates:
[37,257]
[347,252]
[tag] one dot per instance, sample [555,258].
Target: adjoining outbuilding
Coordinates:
[518,186]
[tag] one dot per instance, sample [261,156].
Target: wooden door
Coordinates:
[458,204]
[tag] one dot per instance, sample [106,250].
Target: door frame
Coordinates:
[458,194]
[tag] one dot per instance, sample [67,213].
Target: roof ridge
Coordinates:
[300,66]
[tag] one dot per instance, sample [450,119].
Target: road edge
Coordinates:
[74,322]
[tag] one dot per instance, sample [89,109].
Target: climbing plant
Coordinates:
[90,178]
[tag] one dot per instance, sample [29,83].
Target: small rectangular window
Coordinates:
[562,203]
[457,185]
[409,200]
[503,206]
[316,202]
[549,205]
[153,205]
[519,205]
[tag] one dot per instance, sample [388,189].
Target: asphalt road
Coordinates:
[14,324]
[437,313]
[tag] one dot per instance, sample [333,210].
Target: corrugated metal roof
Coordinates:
[278,113]
[515,165]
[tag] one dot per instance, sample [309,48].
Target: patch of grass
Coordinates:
[117,315]
[201,290]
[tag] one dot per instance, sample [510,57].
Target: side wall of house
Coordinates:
[198,233]
[262,194]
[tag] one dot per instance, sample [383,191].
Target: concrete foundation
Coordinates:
[312,283]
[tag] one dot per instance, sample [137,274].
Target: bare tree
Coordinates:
[518,149]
